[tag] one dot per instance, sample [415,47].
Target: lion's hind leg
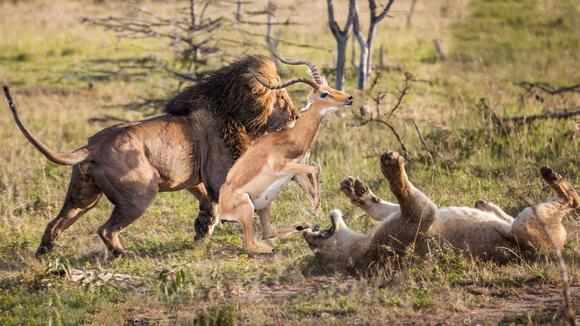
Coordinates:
[82,195]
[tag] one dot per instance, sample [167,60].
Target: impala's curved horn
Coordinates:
[287,83]
[311,66]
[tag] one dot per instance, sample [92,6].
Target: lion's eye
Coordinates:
[324,95]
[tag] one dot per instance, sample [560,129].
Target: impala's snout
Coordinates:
[349,101]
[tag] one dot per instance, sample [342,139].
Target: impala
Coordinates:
[273,160]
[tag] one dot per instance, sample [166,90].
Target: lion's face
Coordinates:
[284,113]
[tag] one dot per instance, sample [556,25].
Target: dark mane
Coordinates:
[235,97]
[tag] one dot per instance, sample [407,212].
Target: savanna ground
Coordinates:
[491,46]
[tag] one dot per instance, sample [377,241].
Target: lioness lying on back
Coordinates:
[485,232]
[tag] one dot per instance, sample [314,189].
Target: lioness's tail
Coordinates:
[58,158]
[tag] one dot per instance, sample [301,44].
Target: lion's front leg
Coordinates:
[208,216]
[217,160]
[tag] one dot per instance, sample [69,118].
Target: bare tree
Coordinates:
[239,10]
[366,43]
[411,12]
[189,34]
[341,36]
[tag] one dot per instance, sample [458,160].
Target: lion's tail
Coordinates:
[58,158]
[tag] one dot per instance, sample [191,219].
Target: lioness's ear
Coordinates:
[336,219]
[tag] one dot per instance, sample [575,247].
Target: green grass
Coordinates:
[492,44]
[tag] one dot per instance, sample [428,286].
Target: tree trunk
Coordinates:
[363,68]
[192,13]
[340,62]
[411,12]
[370,43]
[239,11]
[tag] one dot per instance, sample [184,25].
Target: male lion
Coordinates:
[192,147]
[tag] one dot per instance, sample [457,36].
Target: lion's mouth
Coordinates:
[316,232]
[288,125]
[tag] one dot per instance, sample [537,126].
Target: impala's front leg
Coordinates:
[362,196]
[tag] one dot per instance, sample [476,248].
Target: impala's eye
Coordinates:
[324,95]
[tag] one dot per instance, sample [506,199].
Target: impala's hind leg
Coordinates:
[237,207]
[82,195]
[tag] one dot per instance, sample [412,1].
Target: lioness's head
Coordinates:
[337,247]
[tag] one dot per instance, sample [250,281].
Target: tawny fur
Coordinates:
[343,249]
[256,178]
[485,232]
[192,148]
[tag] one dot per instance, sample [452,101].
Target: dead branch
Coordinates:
[106,118]
[547,88]
[393,130]
[558,115]
[283,41]
[402,93]
[429,152]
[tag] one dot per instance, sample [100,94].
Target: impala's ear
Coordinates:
[324,81]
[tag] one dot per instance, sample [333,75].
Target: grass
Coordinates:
[491,44]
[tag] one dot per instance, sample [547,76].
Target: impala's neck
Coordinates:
[306,127]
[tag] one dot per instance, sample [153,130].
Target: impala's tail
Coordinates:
[58,158]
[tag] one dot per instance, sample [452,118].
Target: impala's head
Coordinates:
[323,98]
[326,99]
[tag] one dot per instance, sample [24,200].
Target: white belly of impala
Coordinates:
[271,192]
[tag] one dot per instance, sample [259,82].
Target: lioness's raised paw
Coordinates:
[563,188]
[357,191]
[393,168]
